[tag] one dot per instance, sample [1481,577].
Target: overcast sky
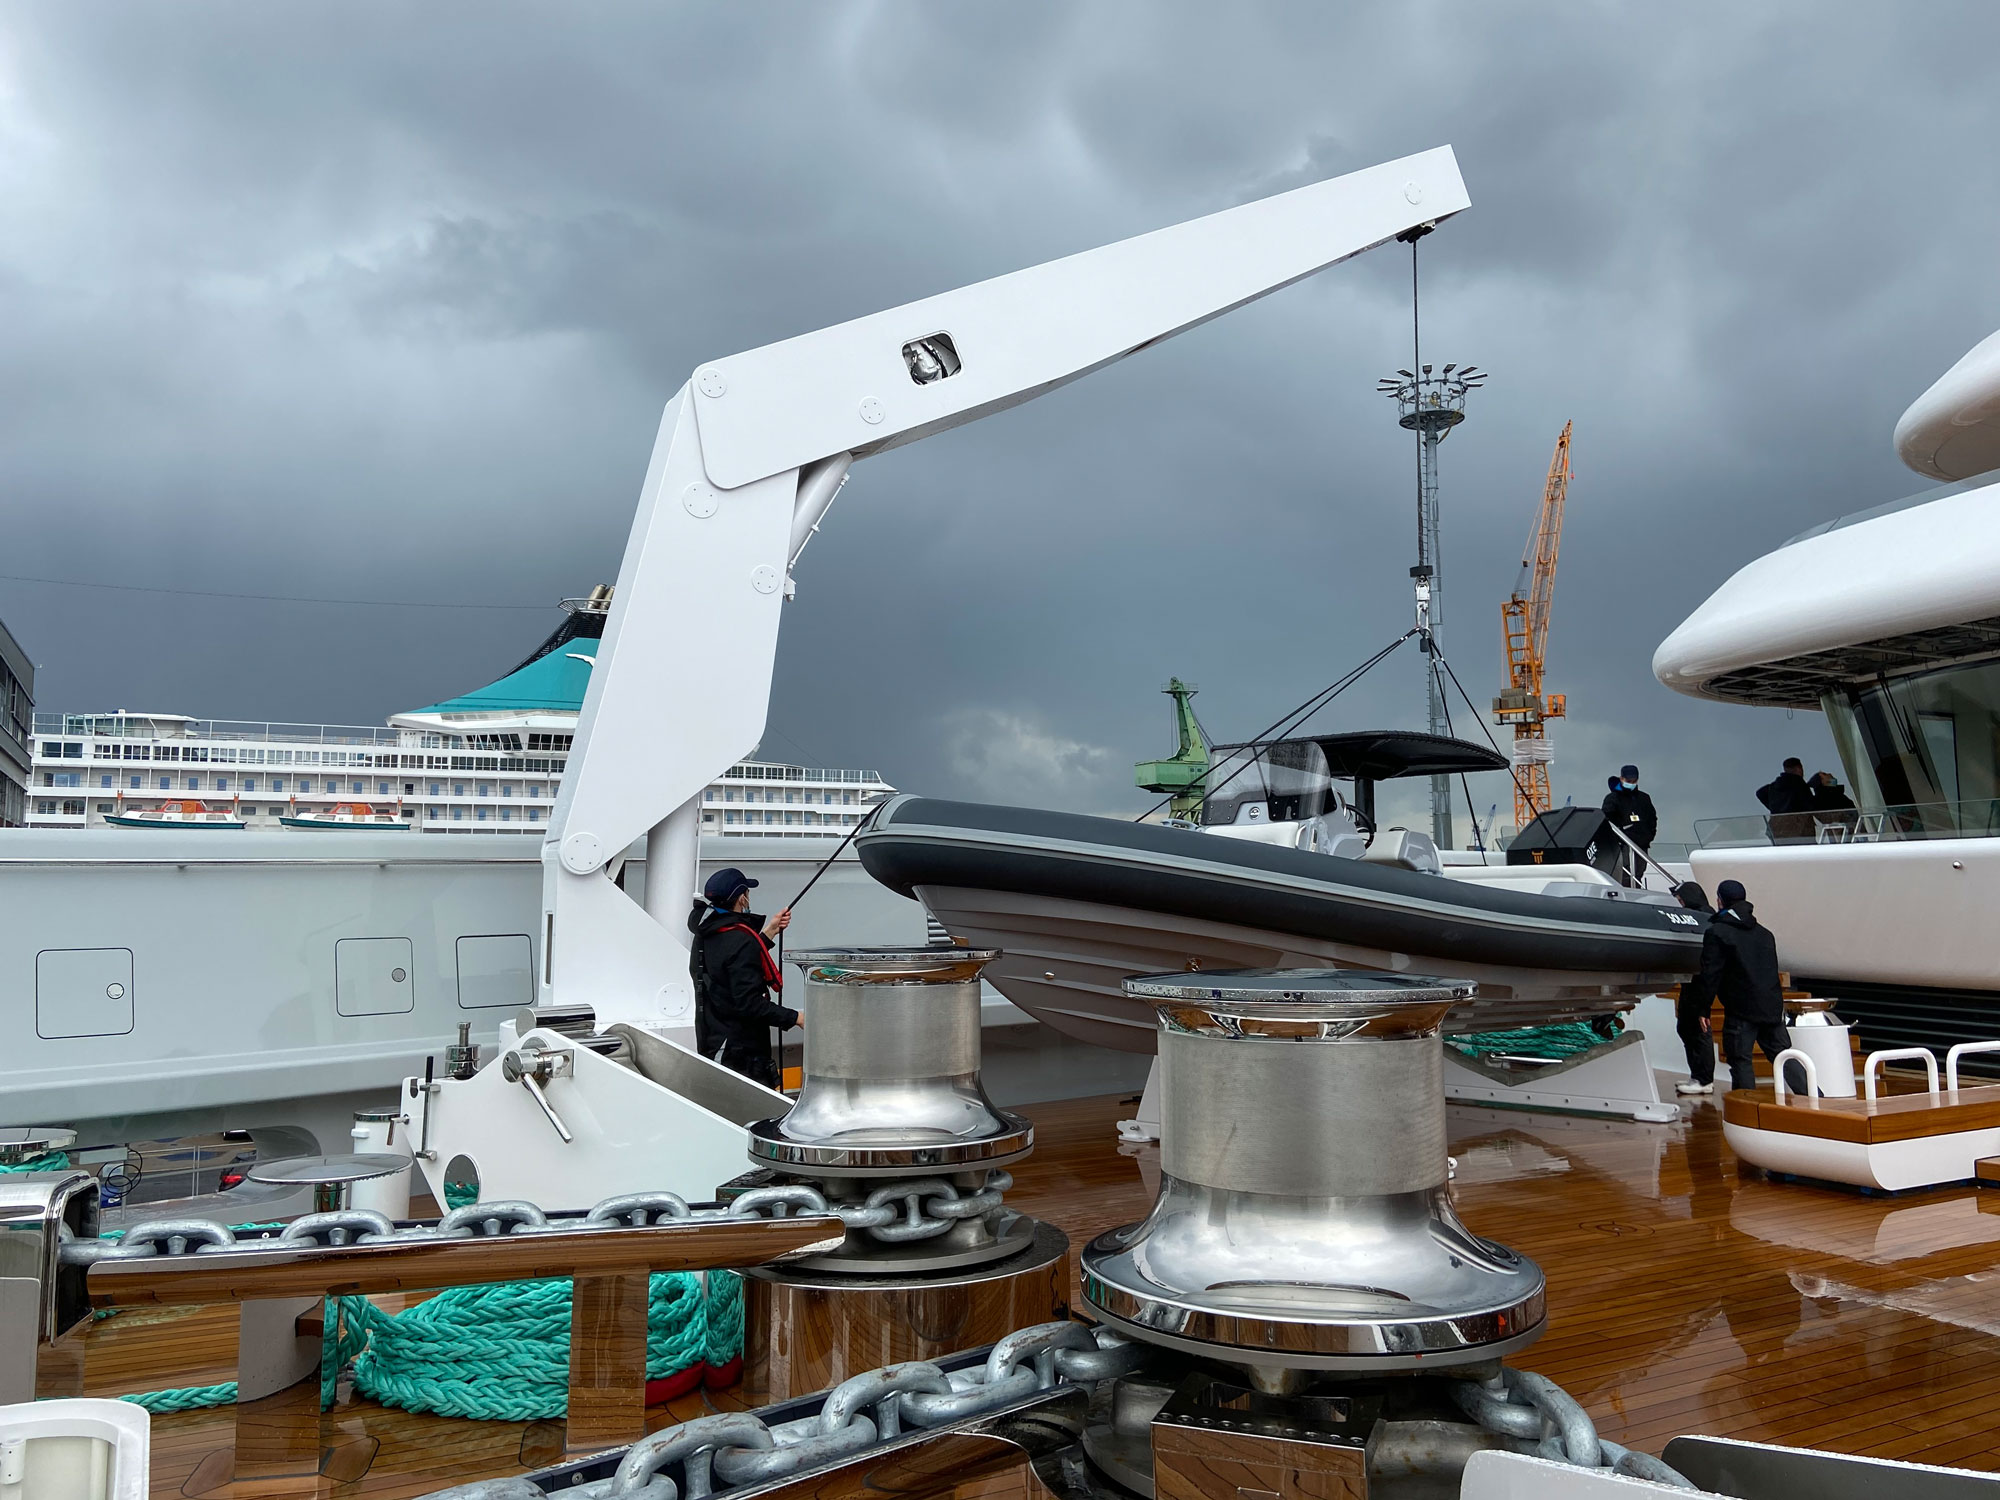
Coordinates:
[382,302]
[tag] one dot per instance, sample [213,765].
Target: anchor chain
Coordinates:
[737,1448]
[359,1226]
[1532,1408]
[895,1213]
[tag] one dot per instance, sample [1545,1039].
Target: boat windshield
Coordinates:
[1283,782]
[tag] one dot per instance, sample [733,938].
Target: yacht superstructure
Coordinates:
[1888,621]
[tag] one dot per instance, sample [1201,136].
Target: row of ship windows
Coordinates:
[796,819]
[832,799]
[331,785]
[74,808]
[338,786]
[231,755]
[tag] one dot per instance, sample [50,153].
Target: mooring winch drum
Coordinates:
[1304,1219]
[891,1076]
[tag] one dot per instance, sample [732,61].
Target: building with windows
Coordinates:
[17,712]
[490,761]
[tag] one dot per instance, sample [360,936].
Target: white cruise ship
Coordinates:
[487,762]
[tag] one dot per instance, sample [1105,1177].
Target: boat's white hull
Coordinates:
[1065,962]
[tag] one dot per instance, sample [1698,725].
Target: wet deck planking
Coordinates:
[1683,1297]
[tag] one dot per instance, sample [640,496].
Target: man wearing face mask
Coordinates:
[1630,811]
[735,978]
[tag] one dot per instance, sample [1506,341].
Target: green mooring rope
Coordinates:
[498,1353]
[1557,1042]
[48,1161]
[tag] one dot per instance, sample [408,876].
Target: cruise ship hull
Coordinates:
[1077,904]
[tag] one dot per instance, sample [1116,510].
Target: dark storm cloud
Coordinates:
[384,302]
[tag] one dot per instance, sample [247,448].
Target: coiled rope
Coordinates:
[1562,1040]
[500,1352]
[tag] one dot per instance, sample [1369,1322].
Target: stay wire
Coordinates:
[1287,723]
[1471,809]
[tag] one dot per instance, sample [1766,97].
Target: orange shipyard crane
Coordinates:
[1524,625]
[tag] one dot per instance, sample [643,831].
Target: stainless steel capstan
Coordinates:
[1304,1220]
[891,1079]
[892,1123]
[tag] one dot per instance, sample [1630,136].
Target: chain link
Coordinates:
[354,1226]
[1532,1409]
[740,1449]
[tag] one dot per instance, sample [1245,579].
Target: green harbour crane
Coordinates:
[1180,775]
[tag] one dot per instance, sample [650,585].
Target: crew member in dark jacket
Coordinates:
[735,978]
[1692,1007]
[1788,798]
[1631,812]
[1739,963]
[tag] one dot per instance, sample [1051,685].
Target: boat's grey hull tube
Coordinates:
[1077,904]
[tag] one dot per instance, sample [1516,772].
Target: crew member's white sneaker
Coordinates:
[1689,1086]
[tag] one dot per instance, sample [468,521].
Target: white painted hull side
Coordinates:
[1918,913]
[230,955]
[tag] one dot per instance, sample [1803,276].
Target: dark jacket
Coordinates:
[733,978]
[1631,813]
[1831,798]
[1739,963]
[1788,793]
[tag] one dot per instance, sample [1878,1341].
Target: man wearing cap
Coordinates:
[1739,963]
[735,978]
[1630,811]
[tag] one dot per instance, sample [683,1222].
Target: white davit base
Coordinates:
[75,1450]
[671,1121]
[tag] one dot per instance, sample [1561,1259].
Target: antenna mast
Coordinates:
[1430,405]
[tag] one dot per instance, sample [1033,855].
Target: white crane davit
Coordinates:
[750,453]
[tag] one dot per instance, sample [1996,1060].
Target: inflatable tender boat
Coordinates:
[1282,871]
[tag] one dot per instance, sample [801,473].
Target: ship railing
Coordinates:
[1970,819]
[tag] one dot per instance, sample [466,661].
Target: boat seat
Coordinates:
[1406,849]
[1866,1121]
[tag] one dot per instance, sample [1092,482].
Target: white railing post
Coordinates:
[1897,1054]
[1963,1049]
[1792,1054]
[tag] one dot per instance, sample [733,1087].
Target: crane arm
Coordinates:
[1548,546]
[749,455]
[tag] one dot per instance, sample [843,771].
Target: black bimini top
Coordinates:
[1385,754]
[915,841]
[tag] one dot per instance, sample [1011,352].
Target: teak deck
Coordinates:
[1872,1121]
[1683,1297]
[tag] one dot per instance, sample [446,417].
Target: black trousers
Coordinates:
[1691,1021]
[1740,1036]
[754,1062]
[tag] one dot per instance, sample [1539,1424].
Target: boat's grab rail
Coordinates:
[1871,1070]
[1963,1049]
[1791,1055]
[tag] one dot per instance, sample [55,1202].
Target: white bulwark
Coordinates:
[488,762]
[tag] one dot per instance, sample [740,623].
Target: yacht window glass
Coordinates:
[166,783]
[1924,747]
